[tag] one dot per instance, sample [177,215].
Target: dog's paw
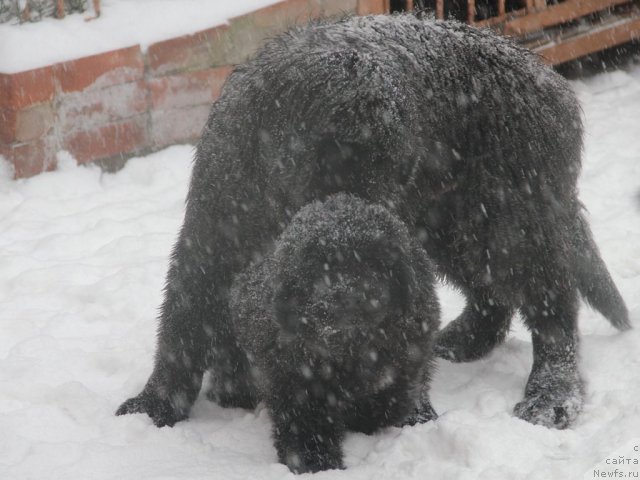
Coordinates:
[555,403]
[313,462]
[161,411]
[424,414]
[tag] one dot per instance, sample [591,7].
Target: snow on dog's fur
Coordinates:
[467,138]
[338,326]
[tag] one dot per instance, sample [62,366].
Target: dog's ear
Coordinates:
[391,256]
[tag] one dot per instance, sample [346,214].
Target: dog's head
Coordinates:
[346,270]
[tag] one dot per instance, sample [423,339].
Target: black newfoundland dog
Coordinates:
[338,327]
[466,138]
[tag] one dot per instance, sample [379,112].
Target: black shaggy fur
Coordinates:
[467,138]
[338,327]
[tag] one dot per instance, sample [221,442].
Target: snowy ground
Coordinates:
[82,263]
[123,23]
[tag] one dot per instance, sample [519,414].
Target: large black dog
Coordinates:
[468,139]
[338,325]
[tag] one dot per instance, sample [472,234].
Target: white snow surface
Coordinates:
[123,23]
[83,256]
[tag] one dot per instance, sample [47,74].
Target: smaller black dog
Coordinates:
[338,327]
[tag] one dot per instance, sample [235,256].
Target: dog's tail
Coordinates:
[594,281]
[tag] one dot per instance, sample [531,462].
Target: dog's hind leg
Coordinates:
[482,325]
[554,393]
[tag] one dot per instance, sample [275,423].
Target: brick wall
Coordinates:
[113,105]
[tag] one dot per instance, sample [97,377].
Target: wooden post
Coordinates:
[502,10]
[409,6]
[26,13]
[440,9]
[60,9]
[471,12]
[96,10]
[540,4]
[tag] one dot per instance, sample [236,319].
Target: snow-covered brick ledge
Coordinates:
[110,106]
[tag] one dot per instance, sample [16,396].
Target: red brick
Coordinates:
[178,125]
[183,53]
[185,89]
[230,44]
[89,108]
[8,123]
[371,7]
[19,90]
[332,8]
[108,140]
[31,158]
[28,124]
[284,14]
[248,32]
[101,70]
